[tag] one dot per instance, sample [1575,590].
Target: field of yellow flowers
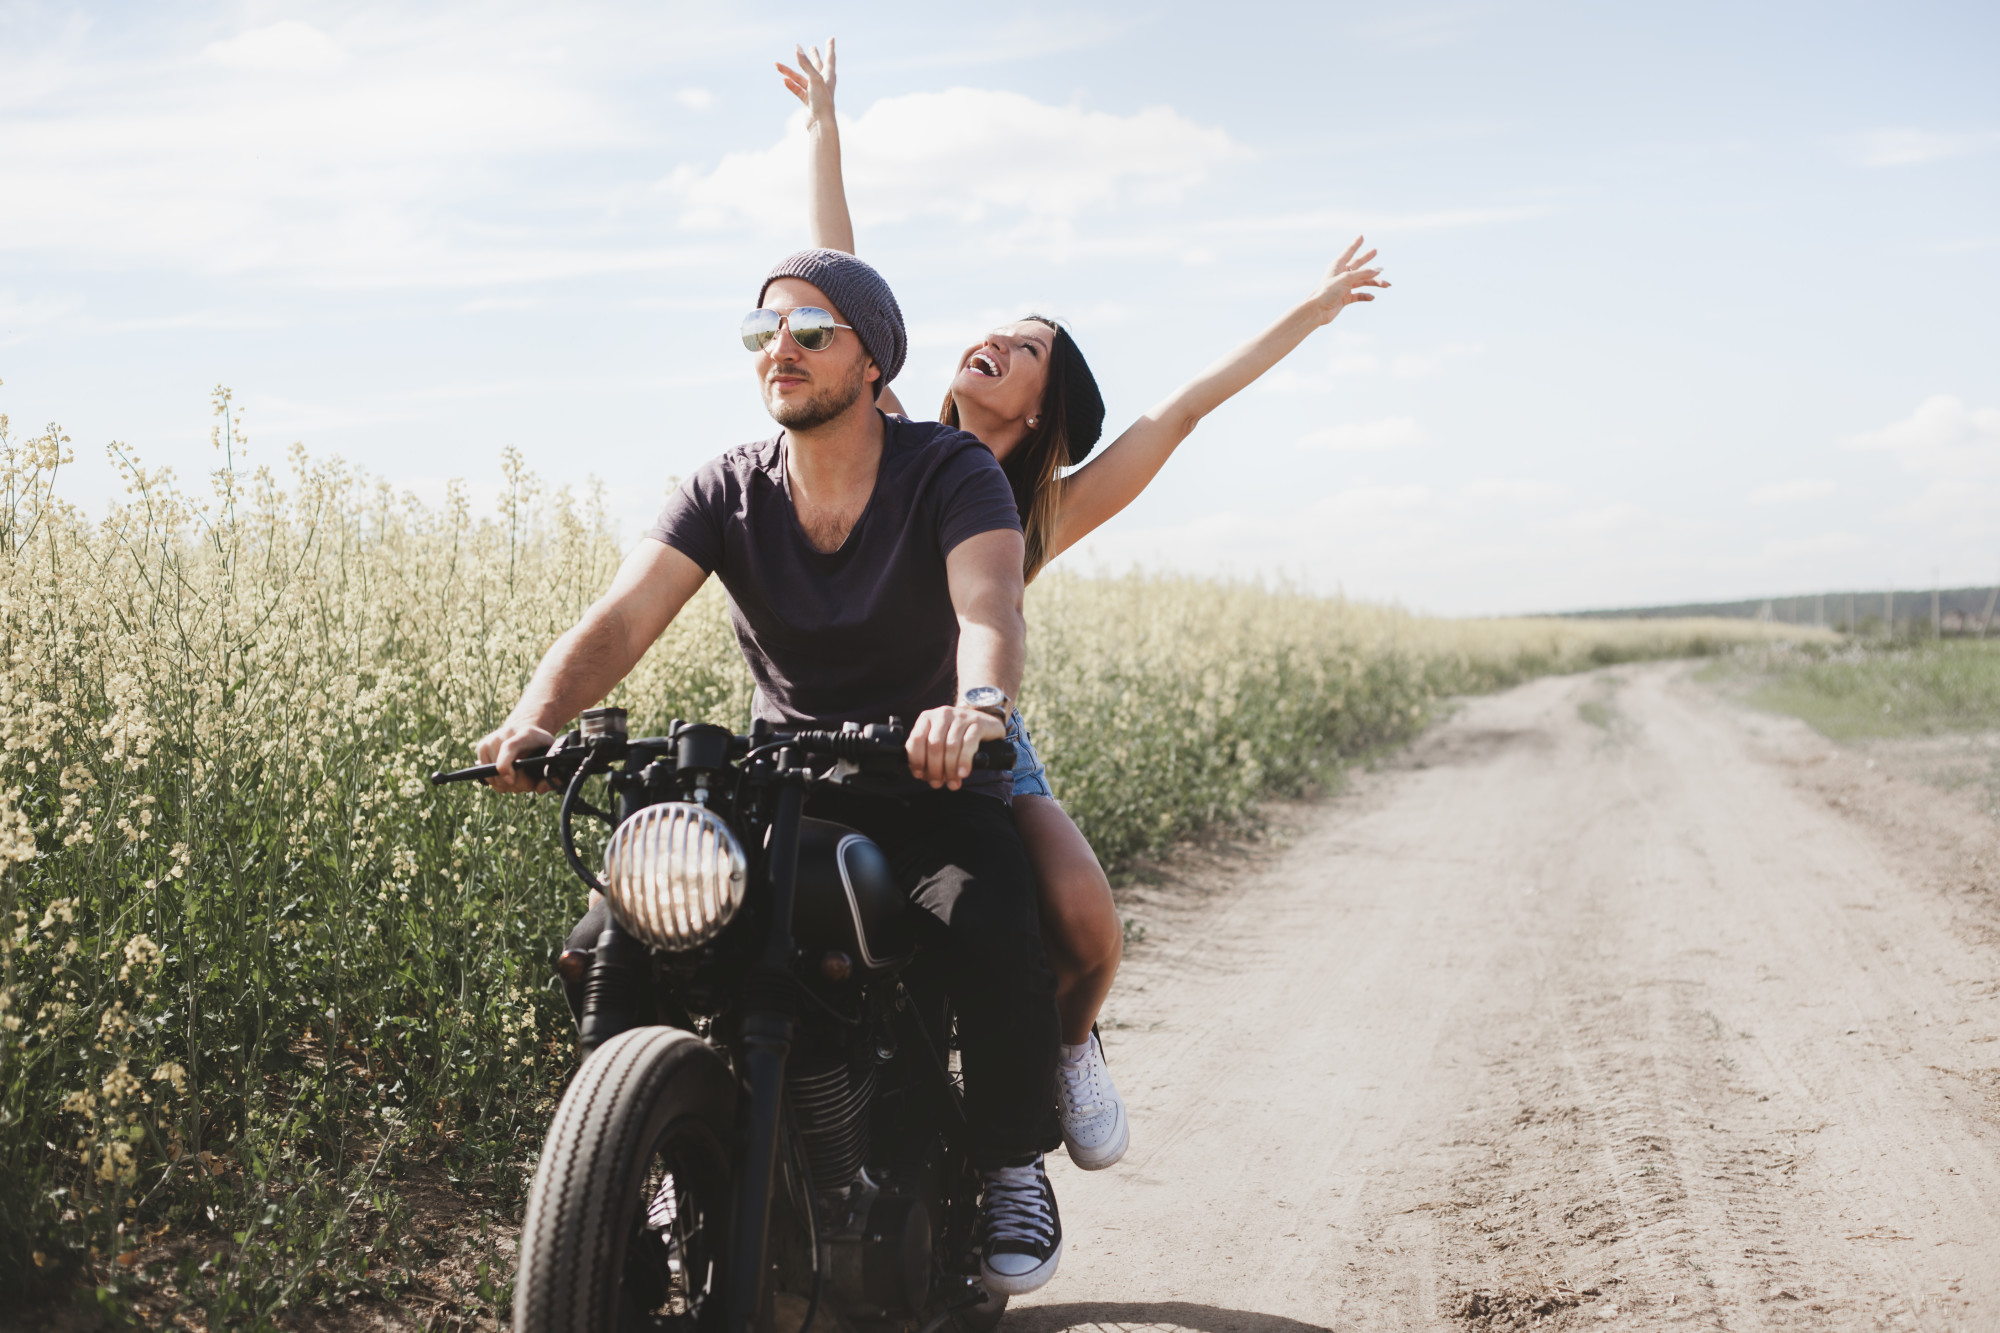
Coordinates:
[255,972]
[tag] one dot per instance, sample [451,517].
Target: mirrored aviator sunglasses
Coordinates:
[812,328]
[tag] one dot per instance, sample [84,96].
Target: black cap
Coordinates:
[1082,404]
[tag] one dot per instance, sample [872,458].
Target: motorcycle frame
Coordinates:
[619,993]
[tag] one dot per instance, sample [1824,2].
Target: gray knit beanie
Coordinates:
[864,299]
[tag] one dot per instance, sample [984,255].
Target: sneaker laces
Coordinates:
[1016,1204]
[1081,1086]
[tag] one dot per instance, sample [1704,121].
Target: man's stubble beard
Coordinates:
[823,406]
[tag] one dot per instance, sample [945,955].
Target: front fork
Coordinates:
[767,1041]
[615,993]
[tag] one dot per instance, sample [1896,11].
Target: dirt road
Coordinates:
[1612,1005]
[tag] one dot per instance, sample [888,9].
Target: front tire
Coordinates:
[627,1221]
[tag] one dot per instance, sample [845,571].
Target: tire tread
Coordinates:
[571,1250]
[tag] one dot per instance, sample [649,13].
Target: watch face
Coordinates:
[985,696]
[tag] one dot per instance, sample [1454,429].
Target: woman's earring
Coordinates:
[1034,422]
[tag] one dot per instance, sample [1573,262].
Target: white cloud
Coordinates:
[1362,222]
[1813,550]
[1904,148]
[369,150]
[1422,365]
[1798,491]
[1422,30]
[18,317]
[1035,161]
[1506,493]
[290,47]
[695,99]
[1353,355]
[1029,37]
[1366,436]
[1956,450]
[1943,438]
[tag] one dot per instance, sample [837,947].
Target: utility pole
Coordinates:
[1850,613]
[1987,619]
[1889,613]
[1819,612]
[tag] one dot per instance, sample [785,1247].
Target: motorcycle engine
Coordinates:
[830,1097]
[878,1261]
[876,1240]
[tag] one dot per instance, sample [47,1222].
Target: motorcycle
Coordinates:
[766,1129]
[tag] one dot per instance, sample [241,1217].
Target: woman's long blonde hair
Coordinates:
[1034,468]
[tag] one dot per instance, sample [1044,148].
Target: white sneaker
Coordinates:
[1094,1127]
[1020,1235]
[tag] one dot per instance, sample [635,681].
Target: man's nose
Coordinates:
[784,347]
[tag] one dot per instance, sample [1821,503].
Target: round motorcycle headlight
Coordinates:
[675,875]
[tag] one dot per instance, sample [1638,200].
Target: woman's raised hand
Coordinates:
[812,82]
[1343,283]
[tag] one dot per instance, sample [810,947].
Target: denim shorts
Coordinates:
[1030,778]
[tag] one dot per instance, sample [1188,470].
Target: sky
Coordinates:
[1691,301]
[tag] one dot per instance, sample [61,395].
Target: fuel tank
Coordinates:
[848,900]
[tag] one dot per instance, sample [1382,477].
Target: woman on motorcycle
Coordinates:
[1027,393]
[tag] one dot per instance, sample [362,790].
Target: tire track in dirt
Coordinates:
[1598,1026]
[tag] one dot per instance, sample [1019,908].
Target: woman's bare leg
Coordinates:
[1080,928]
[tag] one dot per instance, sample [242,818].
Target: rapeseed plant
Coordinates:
[253,969]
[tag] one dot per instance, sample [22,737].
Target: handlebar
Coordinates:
[878,749]
[533,764]
[870,759]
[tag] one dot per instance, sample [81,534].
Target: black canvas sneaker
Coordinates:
[1020,1236]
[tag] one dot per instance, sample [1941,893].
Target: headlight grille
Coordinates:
[675,875]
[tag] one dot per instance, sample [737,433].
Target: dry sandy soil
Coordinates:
[1612,1004]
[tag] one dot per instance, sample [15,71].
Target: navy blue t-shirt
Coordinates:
[865,632]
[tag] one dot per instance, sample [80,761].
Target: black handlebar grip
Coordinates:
[531,764]
[887,759]
[995,755]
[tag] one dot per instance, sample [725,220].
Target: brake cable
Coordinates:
[572,802]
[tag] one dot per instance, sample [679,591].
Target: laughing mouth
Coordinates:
[982,364]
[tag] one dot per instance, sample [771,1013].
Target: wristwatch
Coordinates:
[988,699]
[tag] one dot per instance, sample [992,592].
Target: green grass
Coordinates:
[1864,690]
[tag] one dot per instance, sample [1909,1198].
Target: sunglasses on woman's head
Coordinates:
[812,328]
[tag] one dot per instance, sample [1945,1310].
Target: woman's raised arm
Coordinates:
[832,229]
[812,83]
[1112,480]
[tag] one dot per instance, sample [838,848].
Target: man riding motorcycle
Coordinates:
[873,566]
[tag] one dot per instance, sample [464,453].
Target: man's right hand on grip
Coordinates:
[513,740]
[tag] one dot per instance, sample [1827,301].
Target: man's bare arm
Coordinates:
[984,574]
[985,577]
[582,666]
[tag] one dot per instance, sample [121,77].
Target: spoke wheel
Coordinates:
[673,1257]
[627,1220]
